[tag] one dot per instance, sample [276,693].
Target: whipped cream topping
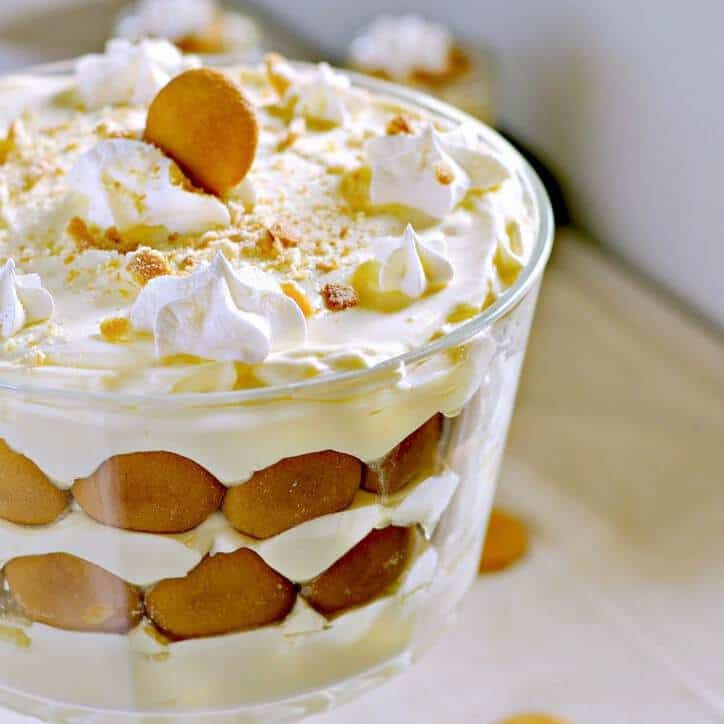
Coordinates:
[485,169]
[302,217]
[23,300]
[128,72]
[416,171]
[219,313]
[320,95]
[400,46]
[172,19]
[131,183]
[431,171]
[412,265]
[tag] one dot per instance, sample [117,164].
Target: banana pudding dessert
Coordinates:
[234,431]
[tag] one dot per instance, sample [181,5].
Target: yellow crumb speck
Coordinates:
[295,292]
[115,329]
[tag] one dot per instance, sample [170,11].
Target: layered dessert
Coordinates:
[426,55]
[194,26]
[228,439]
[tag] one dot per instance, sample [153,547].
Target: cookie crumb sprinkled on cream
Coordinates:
[148,264]
[338,297]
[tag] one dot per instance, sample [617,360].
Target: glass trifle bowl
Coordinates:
[248,462]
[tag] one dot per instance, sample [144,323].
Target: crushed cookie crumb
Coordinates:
[297,128]
[295,292]
[327,265]
[267,247]
[279,72]
[444,174]
[80,233]
[399,125]
[110,240]
[148,264]
[188,262]
[338,297]
[112,131]
[282,234]
[115,329]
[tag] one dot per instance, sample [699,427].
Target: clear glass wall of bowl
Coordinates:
[449,403]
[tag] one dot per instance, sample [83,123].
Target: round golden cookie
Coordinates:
[292,491]
[413,457]
[225,593]
[66,592]
[150,492]
[27,497]
[203,120]
[362,574]
[506,542]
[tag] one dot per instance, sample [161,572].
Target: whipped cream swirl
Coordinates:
[220,314]
[173,19]
[431,171]
[130,183]
[319,95]
[399,46]
[412,265]
[128,72]
[23,300]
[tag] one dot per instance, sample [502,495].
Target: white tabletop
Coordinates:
[616,462]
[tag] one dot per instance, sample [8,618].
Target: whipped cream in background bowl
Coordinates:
[217,363]
[420,53]
[196,26]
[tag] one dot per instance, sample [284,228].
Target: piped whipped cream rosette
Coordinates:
[219,313]
[23,300]
[430,171]
[318,94]
[412,265]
